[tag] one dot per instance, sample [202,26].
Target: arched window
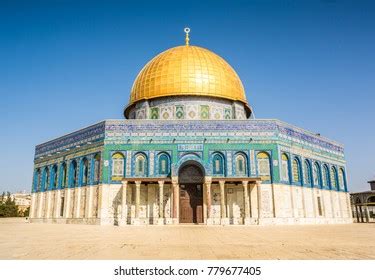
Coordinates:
[163,164]
[307,173]
[85,172]
[45,179]
[241,168]
[285,168]
[316,174]
[296,171]
[264,169]
[118,165]
[334,178]
[96,169]
[342,183]
[63,175]
[37,180]
[54,177]
[218,164]
[73,174]
[140,165]
[325,176]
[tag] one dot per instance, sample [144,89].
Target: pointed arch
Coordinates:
[45,179]
[164,164]
[342,179]
[325,176]
[218,164]
[73,174]
[97,168]
[63,176]
[118,165]
[241,164]
[84,172]
[317,178]
[264,166]
[334,178]
[54,177]
[285,168]
[307,178]
[140,165]
[296,171]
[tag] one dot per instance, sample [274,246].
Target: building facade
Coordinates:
[363,205]
[189,151]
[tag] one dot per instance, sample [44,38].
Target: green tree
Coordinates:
[8,208]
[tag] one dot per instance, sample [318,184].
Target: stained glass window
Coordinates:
[264,166]
[342,179]
[316,175]
[240,165]
[118,165]
[284,168]
[55,181]
[325,176]
[96,168]
[73,172]
[307,173]
[296,171]
[163,164]
[63,176]
[85,172]
[218,168]
[333,177]
[140,165]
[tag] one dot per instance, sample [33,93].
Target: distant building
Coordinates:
[363,204]
[21,199]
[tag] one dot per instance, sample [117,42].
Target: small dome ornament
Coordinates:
[187,39]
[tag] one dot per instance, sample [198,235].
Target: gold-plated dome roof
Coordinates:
[187,71]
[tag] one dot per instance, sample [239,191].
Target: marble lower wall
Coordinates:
[269,204]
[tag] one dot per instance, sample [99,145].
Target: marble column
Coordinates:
[67,203]
[40,205]
[258,187]
[253,201]
[246,202]
[161,203]
[48,208]
[208,182]
[77,194]
[32,206]
[176,201]
[223,209]
[124,207]
[136,220]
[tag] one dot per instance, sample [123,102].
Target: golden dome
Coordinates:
[187,71]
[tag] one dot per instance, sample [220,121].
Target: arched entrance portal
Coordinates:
[191,178]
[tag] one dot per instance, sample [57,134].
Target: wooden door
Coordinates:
[191,203]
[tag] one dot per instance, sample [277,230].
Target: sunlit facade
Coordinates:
[190,151]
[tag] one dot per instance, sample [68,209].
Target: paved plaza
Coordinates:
[21,240]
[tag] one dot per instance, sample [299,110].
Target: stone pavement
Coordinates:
[21,240]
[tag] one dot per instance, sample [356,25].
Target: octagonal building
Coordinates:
[190,151]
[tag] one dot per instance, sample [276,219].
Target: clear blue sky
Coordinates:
[69,64]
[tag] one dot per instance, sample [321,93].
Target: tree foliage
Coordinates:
[8,207]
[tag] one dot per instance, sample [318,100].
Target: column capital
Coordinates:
[124,183]
[138,183]
[174,180]
[222,183]
[161,183]
[245,183]
[258,183]
[207,179]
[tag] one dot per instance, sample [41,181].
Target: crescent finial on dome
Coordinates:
[187,39]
